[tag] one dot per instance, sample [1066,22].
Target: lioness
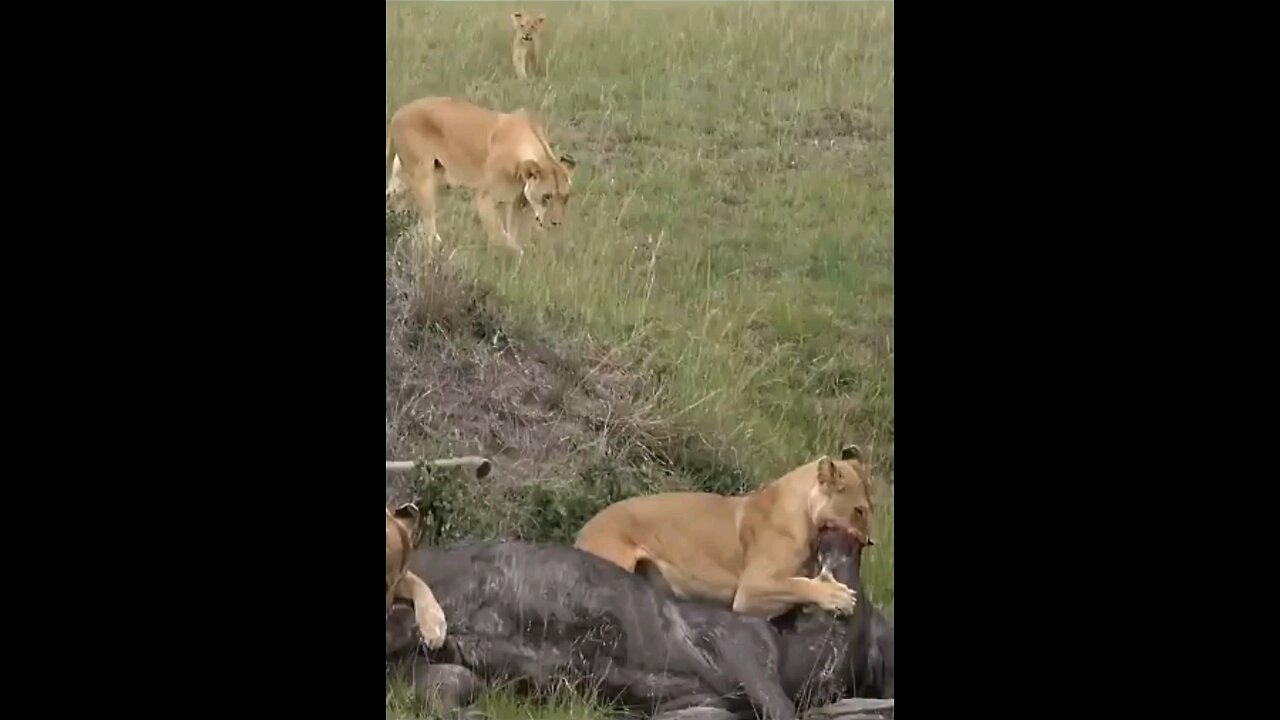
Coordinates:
[526,44]
[504,157]
[401,582]
[750,550]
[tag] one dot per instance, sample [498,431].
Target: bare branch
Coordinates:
[482,466]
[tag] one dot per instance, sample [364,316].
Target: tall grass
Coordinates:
[731,229]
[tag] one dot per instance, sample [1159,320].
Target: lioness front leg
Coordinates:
[517,59]
[431,622]
[487,207]
[520,222]
[767,598]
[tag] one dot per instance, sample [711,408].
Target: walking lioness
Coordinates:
[504,157]
[401,582]
[750,551]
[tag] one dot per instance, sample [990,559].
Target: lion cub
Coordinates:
[526,45]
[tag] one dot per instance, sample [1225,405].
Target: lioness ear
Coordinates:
[407,514]
[528,170]
[851,452]
[826,470]
[568,161]
[515,19]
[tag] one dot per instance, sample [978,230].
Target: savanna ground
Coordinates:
[718,308]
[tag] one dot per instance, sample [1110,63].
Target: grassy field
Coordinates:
[728,251]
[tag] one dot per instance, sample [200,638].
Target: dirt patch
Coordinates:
[567,435]
[457,383]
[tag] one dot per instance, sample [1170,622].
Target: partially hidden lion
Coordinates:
[526,42]
[504,157]
[752,551]
[402,583]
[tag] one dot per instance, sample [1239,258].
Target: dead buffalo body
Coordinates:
[534,613]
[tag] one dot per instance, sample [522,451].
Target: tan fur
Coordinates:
[504,157]
[526,42]
[402,583]
[749,551]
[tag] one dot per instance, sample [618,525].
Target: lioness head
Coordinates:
[400,525]
[842,498]
[527,25]
[547,185]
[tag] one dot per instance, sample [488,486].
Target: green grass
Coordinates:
[731,231]
[562,703]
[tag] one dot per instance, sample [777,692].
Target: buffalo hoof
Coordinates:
[446,687]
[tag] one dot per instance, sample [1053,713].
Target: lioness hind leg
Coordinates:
[443,176]
[653,574]
[398,186]
[424,187]
[623,554]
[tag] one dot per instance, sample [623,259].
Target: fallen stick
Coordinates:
[482,465]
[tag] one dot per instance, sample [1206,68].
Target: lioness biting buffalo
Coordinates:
[746,552]
[538,613]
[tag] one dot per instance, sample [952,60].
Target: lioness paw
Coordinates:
[433,631]
[836,596]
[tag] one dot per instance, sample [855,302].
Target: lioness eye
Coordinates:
[546,198]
